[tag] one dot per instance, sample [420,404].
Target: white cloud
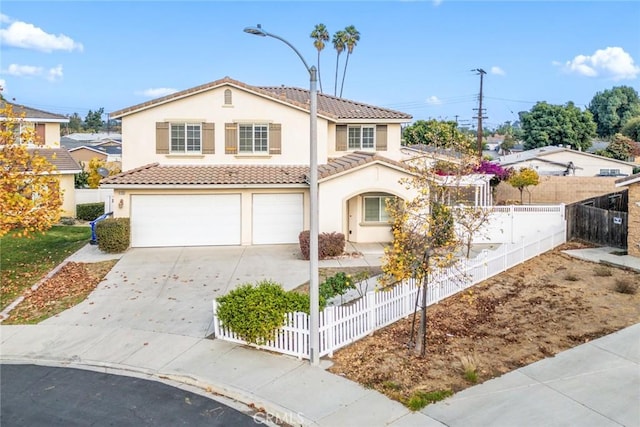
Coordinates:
[28,36]
[23,70]
[497,70]
[611,62]
[434,100]
[4,19]
[55,73]
[157,92]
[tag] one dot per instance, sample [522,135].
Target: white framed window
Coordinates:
[375,208]
[361,137]
[253,138]
[186,138]
[610,172]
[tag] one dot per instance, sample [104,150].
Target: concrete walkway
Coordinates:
[595,384]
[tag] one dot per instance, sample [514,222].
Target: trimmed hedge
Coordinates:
[113,235]
[329,244]
[89,211]
[256,313]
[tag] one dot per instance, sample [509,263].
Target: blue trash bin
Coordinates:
[94,238]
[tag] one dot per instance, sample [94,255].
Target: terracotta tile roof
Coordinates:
[34,113]
[155,174]
[60,158]
[353,160]
[328,106]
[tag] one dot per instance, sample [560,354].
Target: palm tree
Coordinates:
[320,35]
[352,36]
[339,41]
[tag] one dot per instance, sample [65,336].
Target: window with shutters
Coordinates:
[361,137]
[186,138]
[253,138]
[375,208]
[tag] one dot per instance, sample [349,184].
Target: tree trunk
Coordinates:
[421,341]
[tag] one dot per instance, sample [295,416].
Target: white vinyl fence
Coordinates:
[342,325]
[95,195]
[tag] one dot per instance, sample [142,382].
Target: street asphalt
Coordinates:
[152,314]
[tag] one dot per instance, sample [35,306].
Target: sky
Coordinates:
[417,57]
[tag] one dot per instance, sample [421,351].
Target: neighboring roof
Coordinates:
[88,147]
[354,160]
[435,151]
[35,115]
[328,106]
[156,174]
[628,180]
[60,158]
[538,153]
[98,137]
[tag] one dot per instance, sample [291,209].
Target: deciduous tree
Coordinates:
[548,124]
[631,129]
[614,107]
[524,178]
[438,134]
[621,148]
[30,198]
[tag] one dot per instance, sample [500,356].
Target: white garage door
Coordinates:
[185,220]
[277,218]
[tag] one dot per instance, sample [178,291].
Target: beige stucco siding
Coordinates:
[68,195]
[209,106]
[84,155]
[340,203]
[52,135]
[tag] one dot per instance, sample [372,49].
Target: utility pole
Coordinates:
[480,116]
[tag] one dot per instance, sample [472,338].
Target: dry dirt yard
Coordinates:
[532,311]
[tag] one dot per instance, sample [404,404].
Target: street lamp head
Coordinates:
[256,31]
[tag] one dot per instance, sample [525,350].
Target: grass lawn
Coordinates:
[24,261]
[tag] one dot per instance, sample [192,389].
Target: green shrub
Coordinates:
[113,235]
[256,313]
[89,211]
[329,244]
[336,285]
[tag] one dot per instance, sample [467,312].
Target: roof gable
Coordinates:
[33,114]
[329,107]
[60,158]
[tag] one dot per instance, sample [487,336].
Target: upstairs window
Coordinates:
[253,138]
[186,138]
[361,137]
[227,97]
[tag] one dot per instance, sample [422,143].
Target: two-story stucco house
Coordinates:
[226,163]
[46,128]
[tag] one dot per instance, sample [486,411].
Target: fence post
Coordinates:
[329,316]
[216,322]
[371,311]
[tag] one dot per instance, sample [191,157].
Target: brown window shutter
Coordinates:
[231,138]
[208,138]
[381,138]
[275,138]
[341,138]
[162,138]
[40,133]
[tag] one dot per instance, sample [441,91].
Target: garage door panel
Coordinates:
[185,220]
[277,218]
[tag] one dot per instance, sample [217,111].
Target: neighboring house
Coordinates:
[106,153]
[94,138]
[226,163]
[633,232]
[559,161]
[493,142]
[46,125]
[66,168]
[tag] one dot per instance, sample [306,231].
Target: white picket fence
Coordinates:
[341,325]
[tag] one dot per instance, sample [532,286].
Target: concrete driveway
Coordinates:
[170,290]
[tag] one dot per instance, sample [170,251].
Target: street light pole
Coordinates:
[314,222]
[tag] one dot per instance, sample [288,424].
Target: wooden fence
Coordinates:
[342,325]
[600,220]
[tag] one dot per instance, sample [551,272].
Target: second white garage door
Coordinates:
[277,218]
[185,220]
